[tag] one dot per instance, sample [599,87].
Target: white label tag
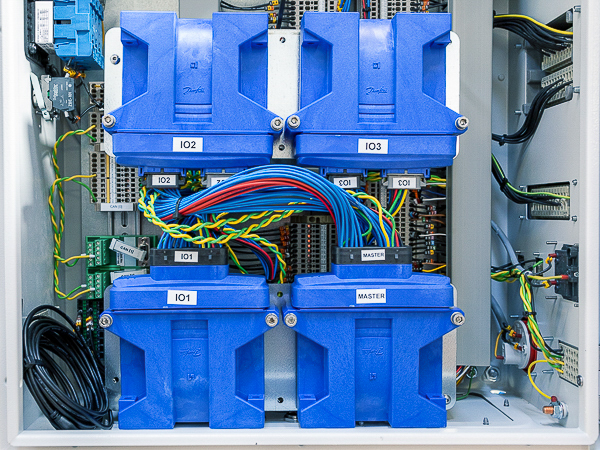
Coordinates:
[345,182]
[370,296]
[186,257]
[182,298]
[187,144]
[126,273]
[376,146]
[164,180]
[216,179]
[44,23]
[116,206]
[404,182]
[373,255]
[122,247]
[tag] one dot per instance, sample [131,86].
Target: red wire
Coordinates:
[247,187]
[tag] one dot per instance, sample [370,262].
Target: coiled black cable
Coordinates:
[62,374]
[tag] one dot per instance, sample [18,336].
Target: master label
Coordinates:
[373,255]
[370,296]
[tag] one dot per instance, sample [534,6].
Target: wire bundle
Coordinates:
[62,374]
[276,188]
[523,197]
[531,123]
[546,39]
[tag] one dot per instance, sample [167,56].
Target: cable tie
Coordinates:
[502,140]
[31,363]
[503,183]
[527,313]
[177,215]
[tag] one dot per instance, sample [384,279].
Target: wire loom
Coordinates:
[62,374]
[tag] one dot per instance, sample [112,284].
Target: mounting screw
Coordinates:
[576,89]
[282,39]
[448,399]
[272,319]
[486,421]
[277,124]
[576,274]
[108,121]
[577,8]
[291,320]
[32,49]
[491,374]
[105,321]
[114,59]
[462,123]
[574,182]
[574,218]
[521,217]
[281,147]
[293,121]
[457,318]
[518,112]
[506,402]
[579,380]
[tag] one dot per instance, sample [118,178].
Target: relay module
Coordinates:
[294,215]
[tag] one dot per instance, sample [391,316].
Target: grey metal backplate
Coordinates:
[470,182]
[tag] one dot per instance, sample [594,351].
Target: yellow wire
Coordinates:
[379,212]
[545,278]
[64,261]
[496,346]
[434,270]
[79,294]
[531,19]
[234,256]
[404,195]
[531,378]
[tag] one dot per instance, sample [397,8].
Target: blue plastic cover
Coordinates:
[213,286]
[191,366]
[191,347]
[371,365]
[78,32]
[197,81]
[366,286]
[375,79]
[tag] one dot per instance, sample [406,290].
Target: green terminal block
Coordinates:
[99,281]
[98,246]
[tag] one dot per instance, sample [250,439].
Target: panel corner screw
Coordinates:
[108,121]
[271,319]
[457,318]
[574,218]
[574,182]
[114,59]
[293,121]
[462,123]
[291,320]
[506,402]
[105,321]
[277,124]
[579,380]
[486,421]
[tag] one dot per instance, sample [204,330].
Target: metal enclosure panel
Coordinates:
[470,182]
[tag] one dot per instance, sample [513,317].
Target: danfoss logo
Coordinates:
[373,90]
[191,90]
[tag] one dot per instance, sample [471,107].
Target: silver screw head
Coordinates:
[579,380]
[291,320]
[108,121]
[293,121]
[277,124]
[105,321]
[457,318]
[462,123]
[448,399]
[272,319]
[114,59]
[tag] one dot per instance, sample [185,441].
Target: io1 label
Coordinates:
[370,296]
[185,298]
[187,144]
[183,257]
[373,146]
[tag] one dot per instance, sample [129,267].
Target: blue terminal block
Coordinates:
[194,93]
[191,343]
[373,93]
[78,32]
[369,344]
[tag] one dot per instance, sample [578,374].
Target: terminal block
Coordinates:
[567,263]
